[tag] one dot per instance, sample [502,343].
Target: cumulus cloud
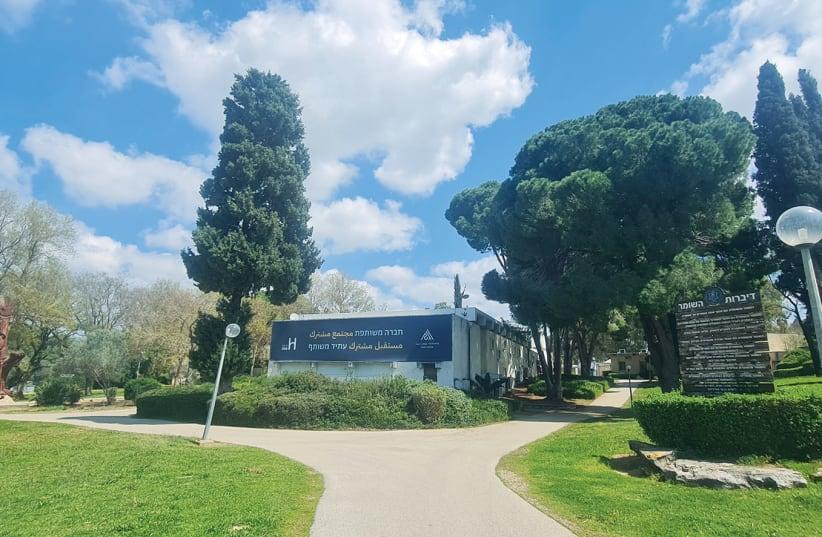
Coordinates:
[692,10]
[95,174]
[375,80]
[15,14]
[354,224]
[168,237]
[123,70]
[13,176]
[438,286]
[100,253]
[788,34]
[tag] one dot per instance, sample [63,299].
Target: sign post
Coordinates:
[723,345]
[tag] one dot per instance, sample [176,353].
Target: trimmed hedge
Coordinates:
[576,387]
[311,401]
[782,425]
[135,387]
[798,371]
[180,403]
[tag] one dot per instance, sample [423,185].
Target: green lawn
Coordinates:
[60,480]
[569,475]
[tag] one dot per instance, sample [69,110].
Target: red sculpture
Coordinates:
[8,360]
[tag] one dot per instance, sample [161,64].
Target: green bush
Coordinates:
[58,391]
[576,387]
[428,402]
[583,389]
[798,371]
[489,410]
[111,395]
[181,403]
[795,358]
[135,387]
[458,408]
[311,401]
[778,425]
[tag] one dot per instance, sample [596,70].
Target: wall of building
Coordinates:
[489,352]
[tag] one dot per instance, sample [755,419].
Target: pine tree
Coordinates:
[252,235]
[788,157]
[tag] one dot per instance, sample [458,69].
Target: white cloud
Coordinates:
[438,285]
[355,224]
[168,237]
[788,34]
[666,35]
[95,174]
[692,10]
[99,253]
[375,80]
[124,70]
[15,14]
[13,176]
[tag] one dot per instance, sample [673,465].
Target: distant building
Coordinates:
[639,362]
[446,346]
[781,344]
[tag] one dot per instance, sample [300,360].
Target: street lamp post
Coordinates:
[231,331]
[630,388]
[801,227]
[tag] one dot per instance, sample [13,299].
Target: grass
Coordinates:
[569,475]
[63,481]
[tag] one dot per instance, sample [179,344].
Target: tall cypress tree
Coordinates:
[252,235]
[788,158]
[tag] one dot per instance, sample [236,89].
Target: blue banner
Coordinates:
[417,338]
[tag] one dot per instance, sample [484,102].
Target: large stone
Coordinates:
[719,475]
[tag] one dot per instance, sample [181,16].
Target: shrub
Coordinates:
[458,407]
[537,388]
[135,387]
[489,410]
[777,425]
[57,391]
[798,371]
[111,395]
[182,403]
[311,401]
[795,358]
[583,389]
[428,402]
[576,387]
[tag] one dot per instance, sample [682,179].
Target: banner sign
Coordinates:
[723,345]
[413,338]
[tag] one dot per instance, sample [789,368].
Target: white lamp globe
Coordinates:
[800,226]
[232,330]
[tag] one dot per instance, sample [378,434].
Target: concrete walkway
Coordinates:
[420,483]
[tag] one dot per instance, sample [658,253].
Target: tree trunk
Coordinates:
[556,339]
[567,364]
[664,357]
[543,361]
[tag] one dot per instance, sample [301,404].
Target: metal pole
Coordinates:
[630,388]
[813,295]
[214,393]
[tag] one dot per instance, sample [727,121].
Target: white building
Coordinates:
[447,346]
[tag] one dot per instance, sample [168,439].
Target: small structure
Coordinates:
[639,363]
[447,346]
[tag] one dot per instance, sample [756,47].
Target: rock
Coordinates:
[817,476]
[720,475]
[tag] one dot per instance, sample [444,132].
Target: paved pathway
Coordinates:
[431,483]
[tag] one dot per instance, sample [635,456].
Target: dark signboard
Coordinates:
[413,338]
[723,345]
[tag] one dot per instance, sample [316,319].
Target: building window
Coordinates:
[622,366]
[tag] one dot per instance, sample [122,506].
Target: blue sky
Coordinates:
[110,109]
